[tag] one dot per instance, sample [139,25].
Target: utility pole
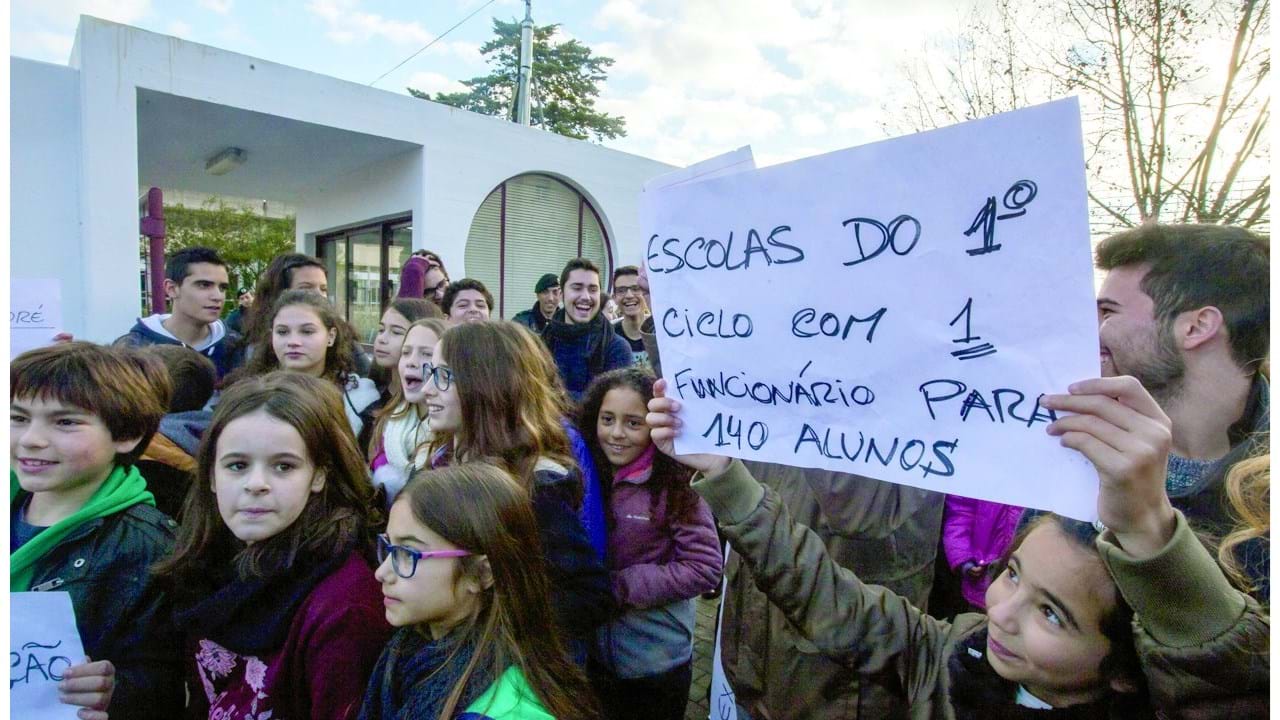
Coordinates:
[526,65]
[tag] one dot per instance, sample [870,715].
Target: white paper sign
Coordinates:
[724,703]
[43,643]
[35,314]
[893,310]
[718,166]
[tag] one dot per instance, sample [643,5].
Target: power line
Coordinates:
[433,42]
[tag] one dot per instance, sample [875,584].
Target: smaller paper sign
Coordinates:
[724,704]
[729,163]
[43,643]
[35,314]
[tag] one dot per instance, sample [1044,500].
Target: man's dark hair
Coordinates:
[1193,266]
[625,270]
[178,265]
[577,264]
[194,376]
[451,292]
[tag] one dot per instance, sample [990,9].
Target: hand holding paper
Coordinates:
[1125,434]
[90,686]
[664,425]
[894,311]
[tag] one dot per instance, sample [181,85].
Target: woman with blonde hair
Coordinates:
[1244,552]
[399,441]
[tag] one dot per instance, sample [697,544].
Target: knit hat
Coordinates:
[413,278]
[546,282]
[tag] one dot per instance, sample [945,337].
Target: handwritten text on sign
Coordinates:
[894,310]
[43,643]
[35,314]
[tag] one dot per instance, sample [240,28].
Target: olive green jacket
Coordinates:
[1203,645]
[889,533]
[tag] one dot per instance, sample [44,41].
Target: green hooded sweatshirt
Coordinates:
[122,489]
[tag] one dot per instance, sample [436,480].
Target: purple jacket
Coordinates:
[654,560]
[980,532]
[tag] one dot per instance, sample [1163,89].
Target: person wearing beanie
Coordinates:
[548,291]
[244,301]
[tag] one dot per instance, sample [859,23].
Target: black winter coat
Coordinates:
[120,611]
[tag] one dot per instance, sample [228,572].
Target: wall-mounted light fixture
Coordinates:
[225,161]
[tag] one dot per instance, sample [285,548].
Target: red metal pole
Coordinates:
[153,227]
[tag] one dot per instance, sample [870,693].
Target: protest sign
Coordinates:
[35,314]
[894,310]
[718,166]
[43,643]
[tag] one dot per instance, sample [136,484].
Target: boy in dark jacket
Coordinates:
[195,282]
[83,522]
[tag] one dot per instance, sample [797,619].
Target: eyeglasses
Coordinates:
[628,290]
[404,560]
[437,289]
[441,376]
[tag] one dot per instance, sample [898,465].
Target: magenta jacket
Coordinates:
[980,532]
[654,560]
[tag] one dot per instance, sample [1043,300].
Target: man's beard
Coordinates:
[1162,371]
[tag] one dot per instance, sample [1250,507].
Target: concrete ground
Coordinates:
[704,642]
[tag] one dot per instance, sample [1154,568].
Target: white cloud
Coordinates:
[177,28]
[808,124]
[348,24]
[222,7]
[66,13]
[433,82]
[467,52]
[792,79]
[47,28]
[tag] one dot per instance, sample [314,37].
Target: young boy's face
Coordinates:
[54,447]
[199,298]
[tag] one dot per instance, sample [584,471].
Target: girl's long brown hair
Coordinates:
[334,519]
[511,397]
[393,410]
[667,477]
[339,360]
[479,507]
[273,282]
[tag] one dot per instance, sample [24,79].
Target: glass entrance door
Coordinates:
[363,265]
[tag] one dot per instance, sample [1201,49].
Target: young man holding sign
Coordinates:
[581,340]
[84,523]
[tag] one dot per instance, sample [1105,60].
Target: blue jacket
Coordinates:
[584,351]
[592,512]
[222,347]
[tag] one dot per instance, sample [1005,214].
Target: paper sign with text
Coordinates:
[43,642]
[893,310]
[35,314]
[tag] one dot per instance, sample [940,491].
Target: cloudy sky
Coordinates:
[692,78]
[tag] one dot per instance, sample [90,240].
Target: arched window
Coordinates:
[528,226]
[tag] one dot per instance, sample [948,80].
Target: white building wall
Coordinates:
[44,181]
[375,192]
[463,156]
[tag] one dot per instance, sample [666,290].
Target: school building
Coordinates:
[371,175]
